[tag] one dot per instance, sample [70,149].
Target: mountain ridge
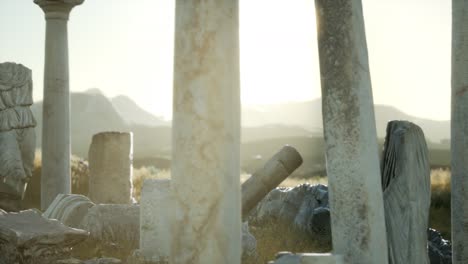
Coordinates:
[93,112]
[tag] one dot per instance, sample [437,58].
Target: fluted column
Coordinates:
[56,107]
[459,132]
[205,186]
[356,200]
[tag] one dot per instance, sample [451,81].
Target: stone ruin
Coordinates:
[17,135]
[110,160]
[28,238]
[406,188]
[204,189]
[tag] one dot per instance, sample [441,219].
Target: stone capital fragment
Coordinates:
[57,9]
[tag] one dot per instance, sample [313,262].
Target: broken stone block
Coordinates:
[114,231]
[70,209]
[110,167]
[304,208]
[17,136]
[307,258]
[28,236]
[156,204]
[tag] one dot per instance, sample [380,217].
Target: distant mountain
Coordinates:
[92,112]
[309,116]
[135,115]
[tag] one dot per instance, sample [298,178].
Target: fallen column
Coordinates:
[356,200]
[406,184]
[276,170]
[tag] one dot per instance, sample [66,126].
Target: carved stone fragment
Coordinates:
[17,135]
[407,193]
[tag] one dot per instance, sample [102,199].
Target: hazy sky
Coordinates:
[126,47]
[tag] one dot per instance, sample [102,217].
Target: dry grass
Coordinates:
[143,173]
[291,182]
[439,215]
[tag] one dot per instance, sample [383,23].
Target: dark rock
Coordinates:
[440,250]
[304,207]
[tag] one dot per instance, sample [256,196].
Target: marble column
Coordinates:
[459,131]
[356,203]
[205,186]
[56,107]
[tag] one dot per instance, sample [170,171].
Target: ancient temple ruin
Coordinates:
[203,223]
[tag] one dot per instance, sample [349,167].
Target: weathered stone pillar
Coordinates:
[206,134]
[110,168]
[459,131]
[56,109]
[356,203]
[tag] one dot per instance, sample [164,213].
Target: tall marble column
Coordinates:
[205,186]
[356,203]
[459,131]
[56,108]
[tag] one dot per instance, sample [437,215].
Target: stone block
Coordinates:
[110,165]
[114,230]
[155,206]
[307,258]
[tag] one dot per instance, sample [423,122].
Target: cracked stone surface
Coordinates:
[28,236]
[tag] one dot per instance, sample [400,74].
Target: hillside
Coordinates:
[135,115]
